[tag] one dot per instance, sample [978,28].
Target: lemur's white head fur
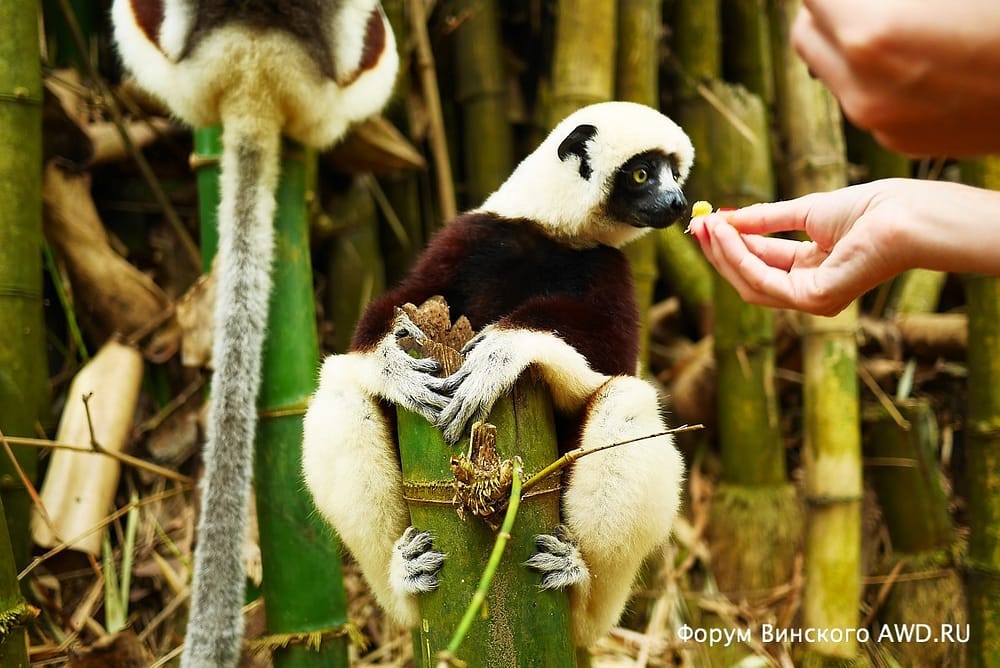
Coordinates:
[566,183]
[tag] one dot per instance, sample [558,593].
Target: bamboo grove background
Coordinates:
[848,475]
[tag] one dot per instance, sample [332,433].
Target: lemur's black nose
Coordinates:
[668,207]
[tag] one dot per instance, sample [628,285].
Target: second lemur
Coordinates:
[305,68]
[537,270]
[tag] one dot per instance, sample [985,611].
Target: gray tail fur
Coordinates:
[249,175]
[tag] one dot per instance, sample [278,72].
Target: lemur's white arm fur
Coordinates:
[306,69]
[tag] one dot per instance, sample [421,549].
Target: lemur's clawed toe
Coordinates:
[415,562]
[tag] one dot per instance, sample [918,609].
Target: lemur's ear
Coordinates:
[575,143]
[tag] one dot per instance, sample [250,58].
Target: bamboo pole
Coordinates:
[983,455]
[814,160]
[637,80]
[911,492]
[524,626]
[23,366]
[302,584]
[487,147]
[583,63]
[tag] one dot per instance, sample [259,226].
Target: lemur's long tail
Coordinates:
[249,176]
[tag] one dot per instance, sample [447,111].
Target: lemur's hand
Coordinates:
[409,381]
[415,563]
[558,560]
[490,368]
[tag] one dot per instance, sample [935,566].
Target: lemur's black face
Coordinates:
[645,192]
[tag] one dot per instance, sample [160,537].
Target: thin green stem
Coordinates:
[574,455]
[71,322]
[447,657]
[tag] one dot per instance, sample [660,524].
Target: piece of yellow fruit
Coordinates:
[701,208]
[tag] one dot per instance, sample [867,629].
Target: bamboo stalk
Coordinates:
[814,160]
[402,191]
[756,519]
[746,46]
[637,80]
[983,454]
[23,366]
[583,62]
[914,505]
[487,146]
[524,626]
[302,584]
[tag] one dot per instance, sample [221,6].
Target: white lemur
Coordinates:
[537,270]
[305,68]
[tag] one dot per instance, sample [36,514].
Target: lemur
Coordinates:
[307,69]
[537,270]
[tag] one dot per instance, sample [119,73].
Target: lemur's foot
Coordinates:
[558,560]
[415,562]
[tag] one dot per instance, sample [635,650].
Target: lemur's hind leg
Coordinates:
[350,465]
[619,504]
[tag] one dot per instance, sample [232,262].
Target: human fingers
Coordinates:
[754,280]
[821,53]
[807,285]
[778,252]
[824,217]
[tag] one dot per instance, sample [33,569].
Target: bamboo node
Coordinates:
[832,499]
[20,95]
[20,292]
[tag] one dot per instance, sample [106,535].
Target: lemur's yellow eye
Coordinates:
[640,175]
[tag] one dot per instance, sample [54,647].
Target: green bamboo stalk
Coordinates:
[23,366]
[983,454]
[746,47]
[696,30]
[831,454]
[483,589]
[637,80]
[302,585]
[525,626]
[814,160]
[683,267]
[583,63]
[910,488]
[14,610]
[983,472]
[487,145]
[756,520]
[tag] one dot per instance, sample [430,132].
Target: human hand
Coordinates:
[920,75]
[856,241]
